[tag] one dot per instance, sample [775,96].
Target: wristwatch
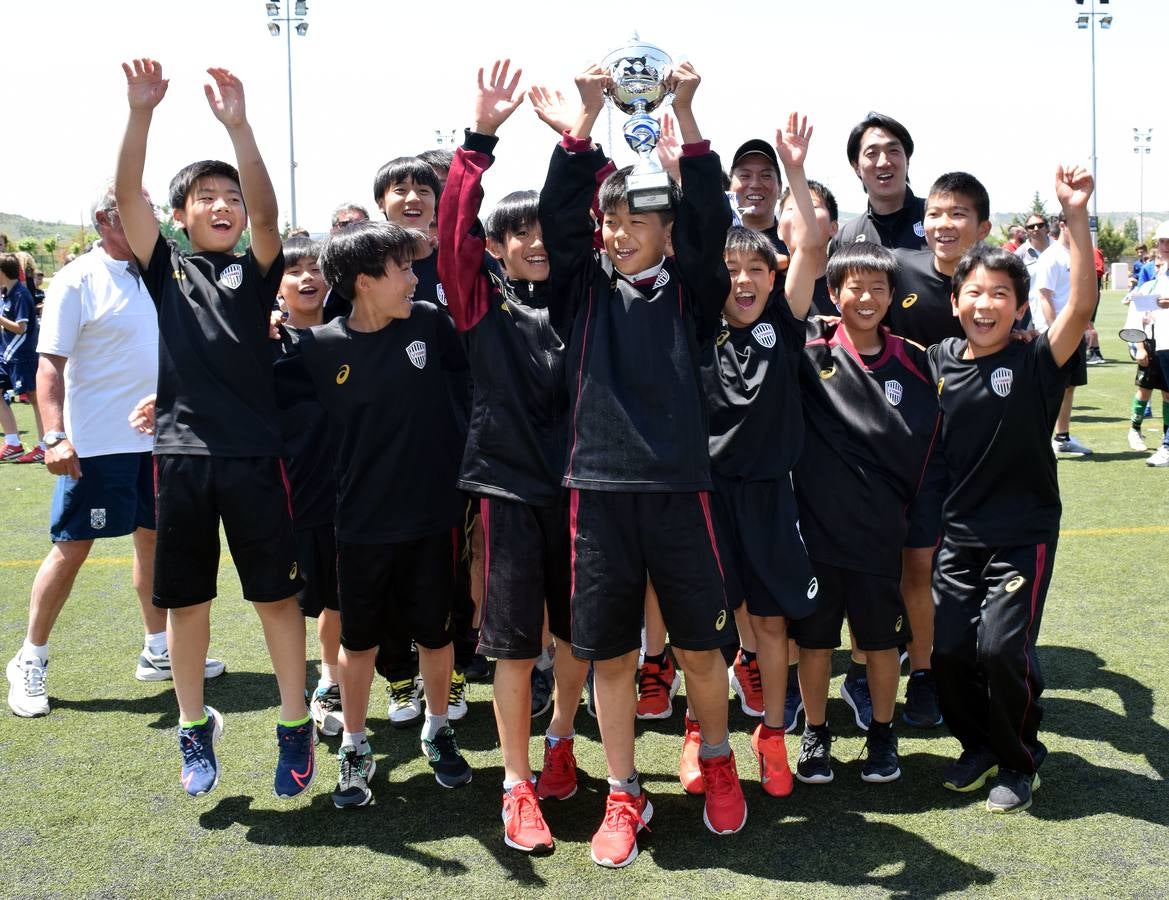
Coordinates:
[53,438]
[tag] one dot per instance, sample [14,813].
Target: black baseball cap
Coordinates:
[756,145]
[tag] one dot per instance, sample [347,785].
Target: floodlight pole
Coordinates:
[299,21]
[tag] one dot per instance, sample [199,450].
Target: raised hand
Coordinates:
[228,106]
[1073,187]
[145,86]
[683,80]
[496,100]
[553,110]
[791,143]
[592,84]
[669,148]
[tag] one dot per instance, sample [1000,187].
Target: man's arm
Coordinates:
[61,458]
[256,186]
[145,88]
[808,257]
[1047,305]
[1073,187]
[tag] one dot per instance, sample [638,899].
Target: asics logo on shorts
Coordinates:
[292,572]
[900,621]
[721,622]
[825,374]
[417,353]
[343,374]
[1014,584]
[813,588]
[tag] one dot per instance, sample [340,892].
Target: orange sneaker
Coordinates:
[615,843]
[746,684]
[775,774]
[726,810]
[558,779]
[656,687]
[689,772]
[524,827]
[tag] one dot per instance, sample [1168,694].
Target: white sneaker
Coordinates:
[405,701]
[1135,441]
[157,668]
[1160,459]
[27,696]
[1071,445]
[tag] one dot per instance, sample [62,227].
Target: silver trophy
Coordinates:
[639,71]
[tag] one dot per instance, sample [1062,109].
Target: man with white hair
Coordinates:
[1160,458]
[98,356]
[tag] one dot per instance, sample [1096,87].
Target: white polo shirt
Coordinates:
[98,314]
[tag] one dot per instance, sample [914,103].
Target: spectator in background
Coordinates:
[347,214]
[1016,235]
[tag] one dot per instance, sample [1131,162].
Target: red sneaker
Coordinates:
[656,687]
[726,810]
[558,779]
[11,452]
[35,455]
[689,772]
[615,843]
[747,686]
[775,774]
[524,827]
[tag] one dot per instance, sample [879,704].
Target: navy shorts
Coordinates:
[526,568]
[316,551]
[250,495]
[20,375]
[876,613]
[113,497]
[620,538]
[764,559]
[397,591]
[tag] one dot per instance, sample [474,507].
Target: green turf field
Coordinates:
[91,802]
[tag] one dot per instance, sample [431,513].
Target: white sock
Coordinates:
[355,739]
[13,440]
[156,643]
[433,725]
[544,662]
[508,783]
[328,675]
[553,738]
[40,651]
[41,444]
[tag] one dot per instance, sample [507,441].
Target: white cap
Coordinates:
[1162,231]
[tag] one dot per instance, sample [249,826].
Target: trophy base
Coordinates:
[648,191]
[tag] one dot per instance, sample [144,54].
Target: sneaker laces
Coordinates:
[34,679]
[402,692]
[456,693]
[651,682]
[559,760]
[445,742]
[754,677]
[191,746]
[620,814]
[527,808]
[817,748]
[718,774]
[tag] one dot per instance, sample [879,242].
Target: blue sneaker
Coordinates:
[855,692]
[793,703]
[296,766]
[200,772]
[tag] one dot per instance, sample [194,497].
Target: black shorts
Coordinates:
[924,516]
[386,590]
[526,566]
[1077,366]
[619,538]
[316,551]
[765,562]
[1150,377]
[251,497]
[876,613]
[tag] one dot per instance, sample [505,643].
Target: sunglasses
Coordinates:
[1035,226]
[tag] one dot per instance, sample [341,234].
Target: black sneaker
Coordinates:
[793,703]
[855,692]
[921,701]
[881,763]
[542,684]
[815,762]
[1011,791]
[478,669]
[450,769]
[970,770]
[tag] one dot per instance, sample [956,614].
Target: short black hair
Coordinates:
[885,123]
[10,265]
[364,248]
[862,256]
[405,168]
[993,259]
[826,197]
[515,211]
[298,249]
[750,242]
[181,184]
[614,193]
[438,159]
[968,186]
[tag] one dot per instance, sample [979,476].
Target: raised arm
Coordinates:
[259,196]
[1073,187]
[461,239]
[808,256]
[145,88]
[684,81]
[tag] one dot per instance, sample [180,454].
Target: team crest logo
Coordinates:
[417,353]
[893,392]
[813,588]
[232,276]
[343,374]
[909,300]
[97,518]
[662,280]
[440,294]
[1014,584]
[919,229]
[721,622]
[764,333]
[1000,381]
